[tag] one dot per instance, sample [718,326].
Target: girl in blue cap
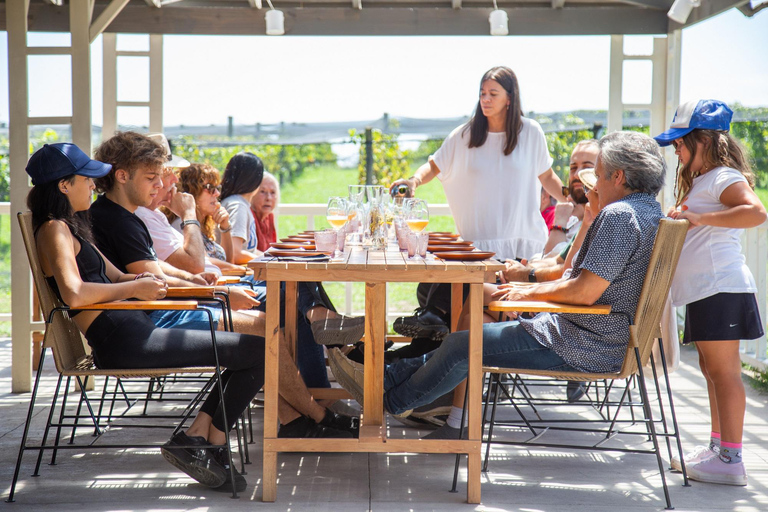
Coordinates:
[714,193]
[79,274]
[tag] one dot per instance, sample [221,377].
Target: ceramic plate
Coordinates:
[289,245]
[450,243]
[449,248]
[464,256]
[446,236]
[294,253]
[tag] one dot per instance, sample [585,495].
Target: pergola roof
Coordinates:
[381,17]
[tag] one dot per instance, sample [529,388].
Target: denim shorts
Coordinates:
[196,320]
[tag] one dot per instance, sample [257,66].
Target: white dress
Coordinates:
[494,199]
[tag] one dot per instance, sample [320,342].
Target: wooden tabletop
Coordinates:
[392,265]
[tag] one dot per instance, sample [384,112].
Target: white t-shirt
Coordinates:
[241,220]
[494,199]
[165,239]
[711,261]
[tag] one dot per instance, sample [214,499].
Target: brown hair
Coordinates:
[127,151]
[478,124]
[192,180]
[720,149]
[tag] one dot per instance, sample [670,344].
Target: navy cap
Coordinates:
[702,114]
[55,161]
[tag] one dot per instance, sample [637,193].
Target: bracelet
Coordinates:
[414,178]
[559,228]
[139,276]
[225,230]
[188,222]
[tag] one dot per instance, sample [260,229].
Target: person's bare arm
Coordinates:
[191,255]
[562,216]
[423,175]
[744,210]
[584,290]
[241,256]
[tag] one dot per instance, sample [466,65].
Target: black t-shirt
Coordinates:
[119,234]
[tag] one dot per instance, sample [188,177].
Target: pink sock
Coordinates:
[716,435]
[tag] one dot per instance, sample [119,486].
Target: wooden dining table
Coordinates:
[375,269]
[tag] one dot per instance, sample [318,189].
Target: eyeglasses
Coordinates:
[211,188]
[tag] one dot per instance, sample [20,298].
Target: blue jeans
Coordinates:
[411,383]
[196,320]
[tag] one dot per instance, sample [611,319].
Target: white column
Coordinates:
[672,100]
[109,78]
[615,104]
[155,83]
[79,26]
[16,23]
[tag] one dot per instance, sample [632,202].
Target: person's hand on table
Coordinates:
[514,271]
[241,297]
[510,292]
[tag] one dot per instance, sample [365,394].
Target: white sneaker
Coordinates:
[699,454]
[715,471]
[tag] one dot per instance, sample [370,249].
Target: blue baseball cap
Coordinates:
[702,114]
[55,161]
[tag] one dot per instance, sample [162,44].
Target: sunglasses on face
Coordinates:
[211,188]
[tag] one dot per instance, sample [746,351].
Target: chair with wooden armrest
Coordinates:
[73,359]
[239,272]
[644,330]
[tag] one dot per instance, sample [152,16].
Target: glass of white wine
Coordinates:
[336,214]
[416,214]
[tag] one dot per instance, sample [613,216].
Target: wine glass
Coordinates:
[336,214]
[416,214]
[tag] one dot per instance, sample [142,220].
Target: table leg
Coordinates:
[375,333]
[457,299]
[475,390]
[271,378]
[290,317]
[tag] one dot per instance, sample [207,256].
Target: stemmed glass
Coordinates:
[416,214]
[336,214]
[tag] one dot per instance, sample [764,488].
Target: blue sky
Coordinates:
[271,79]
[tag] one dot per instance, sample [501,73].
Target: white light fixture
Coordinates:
[499,21]
[681,9]
[275,21]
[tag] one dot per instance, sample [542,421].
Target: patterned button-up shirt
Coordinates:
[617,248]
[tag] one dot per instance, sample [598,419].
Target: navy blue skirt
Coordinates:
[724,316]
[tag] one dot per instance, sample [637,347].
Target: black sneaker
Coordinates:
[425,323]
[304,426]
[342,422]
[196,459]
[221,456]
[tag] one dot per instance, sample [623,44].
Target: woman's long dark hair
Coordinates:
[478,124]
[47,202]
[242,176]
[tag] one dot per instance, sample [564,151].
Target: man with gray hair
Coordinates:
[609,269]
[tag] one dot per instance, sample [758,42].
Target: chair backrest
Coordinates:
[62,335]
[661,268]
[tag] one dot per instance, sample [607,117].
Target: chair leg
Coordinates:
[27,423]
[57,438]
[79,410]
[461,435]
[673,414]
[490,426]
[651,426]
[661,405]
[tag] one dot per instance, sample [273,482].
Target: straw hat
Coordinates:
[171,160]
[588,178]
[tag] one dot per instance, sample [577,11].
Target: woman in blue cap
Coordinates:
[79,274]
[714,193]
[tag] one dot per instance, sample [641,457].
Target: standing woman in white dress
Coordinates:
[714,193]
[492,169]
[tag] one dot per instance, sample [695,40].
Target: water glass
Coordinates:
[325,241]
[417,244]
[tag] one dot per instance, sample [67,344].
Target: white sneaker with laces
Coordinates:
[715,471]
[699,454]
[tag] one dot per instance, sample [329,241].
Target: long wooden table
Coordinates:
[375,269]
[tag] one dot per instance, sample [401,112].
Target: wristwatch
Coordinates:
[532,276]
[188,222]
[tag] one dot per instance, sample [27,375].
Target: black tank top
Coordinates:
[90,264]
